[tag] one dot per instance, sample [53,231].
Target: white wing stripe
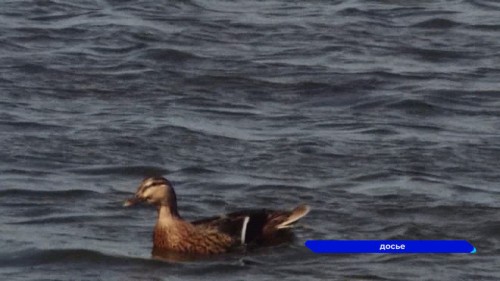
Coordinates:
[244,229]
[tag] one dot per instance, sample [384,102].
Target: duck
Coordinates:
[212,235]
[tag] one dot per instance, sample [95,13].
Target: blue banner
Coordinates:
[390,246]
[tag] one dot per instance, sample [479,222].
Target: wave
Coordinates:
[437,55]
[170,55]
[196,170]
[437,23]
[34,257]
[31,125]
[74,193]
[97,259]
[485,4]
[414,106]
[120,170]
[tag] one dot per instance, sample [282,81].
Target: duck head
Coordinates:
[157,191]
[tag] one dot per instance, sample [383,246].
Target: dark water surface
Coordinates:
[384,116]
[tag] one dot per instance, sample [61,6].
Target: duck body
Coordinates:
[178,235]
[213,235]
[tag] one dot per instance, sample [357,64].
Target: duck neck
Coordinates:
[168,214]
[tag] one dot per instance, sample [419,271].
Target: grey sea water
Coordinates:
[384,116]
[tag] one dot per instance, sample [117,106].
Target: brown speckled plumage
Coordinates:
[213,235]
[187,239]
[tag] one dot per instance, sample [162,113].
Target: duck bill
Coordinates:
[131,202]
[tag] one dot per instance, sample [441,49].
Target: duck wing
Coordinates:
[249,226]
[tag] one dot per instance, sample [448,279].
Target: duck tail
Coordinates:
[295,215]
